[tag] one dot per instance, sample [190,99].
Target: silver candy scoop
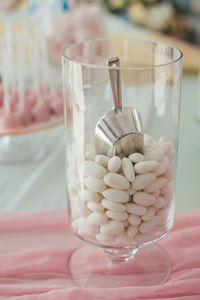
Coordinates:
[120,131]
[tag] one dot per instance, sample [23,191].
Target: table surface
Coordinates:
[41,185]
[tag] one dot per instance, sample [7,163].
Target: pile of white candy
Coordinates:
[123,201]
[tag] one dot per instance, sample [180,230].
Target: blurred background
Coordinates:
[32,36]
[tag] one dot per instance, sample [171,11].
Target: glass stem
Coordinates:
[121,255]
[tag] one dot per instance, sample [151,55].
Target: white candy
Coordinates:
[90,155]
[79,209]
[117,215]
[127,168]
[102,160]
[114,164]
[141,238]
[165,146]
[169,174]
[95,184]
[156,194]
[146,166]
[136,209]
[93,169]
[97,218]
[88,196]
[149,140]
[126,223]
[131,191]
[114,220]
[153,154]
[162,213]
[113,205]
[95,206]
[122,238]
[143,199]
[106,239]
[136,157]
[116,195]
[148,226]
[134,220]
[163,166]
[132,231]
[170,154]
[158,184]
[165,189]
[149,214]
[116,181]
[168,197]
[143,180]
[112,227]
[86,229]
[160,202]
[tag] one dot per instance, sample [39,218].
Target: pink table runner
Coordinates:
[35,249]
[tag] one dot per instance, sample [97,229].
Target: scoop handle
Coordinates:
[115,81]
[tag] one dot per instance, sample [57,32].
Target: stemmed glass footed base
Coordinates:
[94,267]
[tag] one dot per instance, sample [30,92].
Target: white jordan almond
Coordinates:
[97,218]
[157,185]
[134,220]
[117,215]
[112,205]
[143,199]
[149,214]
[143,180]
[116,181]
[146,166]
[95,184]
[131,191]
[128,170]
[90,155]
[112,227]
[102,160]
[153,154]
[160,203]
[106,239]
[132,231]
[88,196]
[136,209]
[93,169]
[136,157]
[116,195]
[148,226]
[95,206]
[162,167]
[114,164]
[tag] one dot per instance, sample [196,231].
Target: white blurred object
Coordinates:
[157,17]
[82,22]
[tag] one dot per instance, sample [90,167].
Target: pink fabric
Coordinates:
[35,249]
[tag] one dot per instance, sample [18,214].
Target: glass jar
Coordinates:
[121,204]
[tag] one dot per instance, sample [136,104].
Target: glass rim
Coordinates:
[95,66]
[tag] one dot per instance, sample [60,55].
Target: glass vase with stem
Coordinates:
[120,206]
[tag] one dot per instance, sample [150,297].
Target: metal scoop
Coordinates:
[120,131]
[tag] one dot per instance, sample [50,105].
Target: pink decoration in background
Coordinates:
[80,23]
[36,247]
[32,112]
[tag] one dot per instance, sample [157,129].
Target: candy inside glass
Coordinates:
[121,206]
